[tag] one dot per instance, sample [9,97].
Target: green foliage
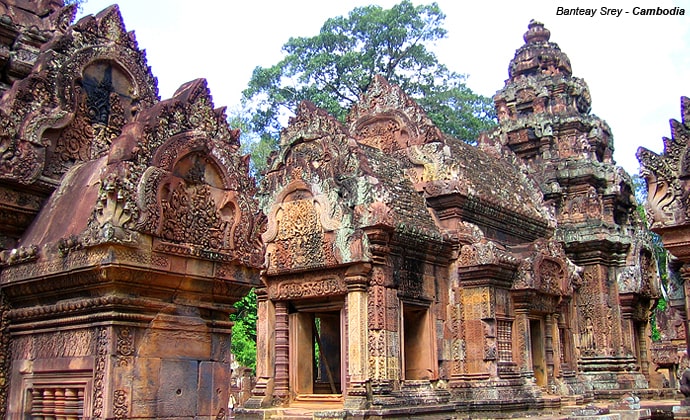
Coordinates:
[243,344]
[78,3]
[656,334]
[250,142]
[333,68]
[660,307]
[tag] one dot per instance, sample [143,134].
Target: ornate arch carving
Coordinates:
[300,230]
[54,99]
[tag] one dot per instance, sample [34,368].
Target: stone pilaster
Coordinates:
[523,342]
[642,343]
[548,349]
[281,391]
[265,352]
[357,315]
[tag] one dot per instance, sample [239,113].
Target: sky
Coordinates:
[637,67]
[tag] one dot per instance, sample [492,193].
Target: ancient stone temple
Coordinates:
[128,226]
[544,121]
[408,273]
[404,273]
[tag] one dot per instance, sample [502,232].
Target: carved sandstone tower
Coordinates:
[544,119]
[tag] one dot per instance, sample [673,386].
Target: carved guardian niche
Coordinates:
[104,103]
[300,233]
[581,206]
[551,275]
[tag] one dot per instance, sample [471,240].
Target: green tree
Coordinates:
[250,142]
[243,344]
[333,68]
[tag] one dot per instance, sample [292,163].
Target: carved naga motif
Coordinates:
[116,208]
[667,174]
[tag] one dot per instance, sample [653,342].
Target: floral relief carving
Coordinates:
[377,354]
[376,307]
[409,278]
[51,95]
[102,342]
[302,289]
[125,346]
[384,135]
[20,160]
[120,406]
[189,215]
[5,350]
[299,233]
[390,120]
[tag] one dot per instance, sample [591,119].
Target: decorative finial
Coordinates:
[536,32]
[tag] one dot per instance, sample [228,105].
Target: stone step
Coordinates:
[292,414]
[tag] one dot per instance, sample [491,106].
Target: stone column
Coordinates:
[5,351]
[265,352]
[379,351]
[523,342]
[642,342]
[558,345]
[378,314]
[548,349]
[282,379]
[685,275]
[356,279]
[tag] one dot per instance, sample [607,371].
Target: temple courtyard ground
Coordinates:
[657,409]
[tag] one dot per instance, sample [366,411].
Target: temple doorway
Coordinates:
[316,351]
[418,353]
[537,350]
